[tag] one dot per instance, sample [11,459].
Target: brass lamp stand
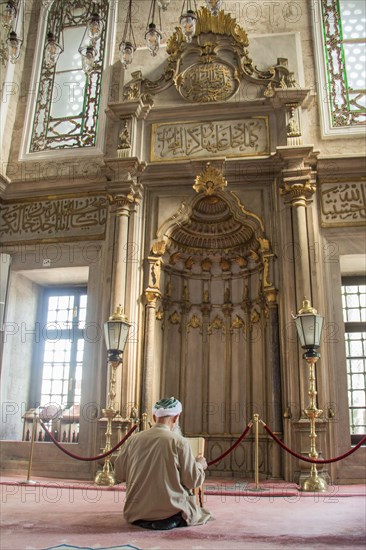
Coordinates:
[314,482]
[116,332]
[309,327]
[106,476]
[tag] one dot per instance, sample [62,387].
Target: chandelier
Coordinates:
[54,46]
[92,33]
[127,46]
[13,22]
[188,20]
[87,48]
[153,34]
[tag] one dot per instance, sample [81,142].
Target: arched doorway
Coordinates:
[215,336]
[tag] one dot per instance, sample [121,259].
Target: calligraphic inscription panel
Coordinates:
[202,83]
[239,138]
[53,219]
[343,204]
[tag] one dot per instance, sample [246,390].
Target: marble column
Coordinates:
[120,264]
[123,203]
[297,188]
[148,365]
[152,294]
[274,411]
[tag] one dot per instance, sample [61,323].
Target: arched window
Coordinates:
[68,91]
[340,48]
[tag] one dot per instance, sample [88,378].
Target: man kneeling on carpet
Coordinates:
[160,472]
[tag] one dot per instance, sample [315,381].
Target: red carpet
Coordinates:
[53,513]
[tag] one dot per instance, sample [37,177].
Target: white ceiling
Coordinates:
[57,276]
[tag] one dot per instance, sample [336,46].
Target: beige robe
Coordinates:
[160,469]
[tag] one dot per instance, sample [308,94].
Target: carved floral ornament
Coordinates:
[211,67]
[209,181]
[194,321]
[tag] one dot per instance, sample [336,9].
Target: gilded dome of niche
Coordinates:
[212,227]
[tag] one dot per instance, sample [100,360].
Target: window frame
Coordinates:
[76,290]
[351,327]
[69,153]
[328,131]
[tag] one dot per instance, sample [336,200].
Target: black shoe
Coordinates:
[170,523]
[143,523]
[163,524]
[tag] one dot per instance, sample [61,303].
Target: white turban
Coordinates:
[168,406]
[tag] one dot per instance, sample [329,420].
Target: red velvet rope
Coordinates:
[89,459]
[313,460]
[245,432]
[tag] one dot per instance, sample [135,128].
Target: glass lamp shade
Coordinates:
[94,27]
[188,24]
[9,15]
[14,45]
[126,51]
[163,4]
[214,6]
[116,331]
[153,37]
[52,51]
[88,59]
[309,329]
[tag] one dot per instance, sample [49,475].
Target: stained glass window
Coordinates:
[344,40]
[354,314]
[67,105]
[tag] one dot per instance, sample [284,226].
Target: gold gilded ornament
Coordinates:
[209,181]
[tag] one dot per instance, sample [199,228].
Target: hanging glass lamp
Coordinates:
[126,51]
[9,15]
[153,35]
[52,51]
[94,27]
[127,46]
[188,23]
[88,59]
[14,44]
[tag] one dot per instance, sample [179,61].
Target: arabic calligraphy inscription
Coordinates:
[53,218]
[245,137]
[343,203]
[207,82]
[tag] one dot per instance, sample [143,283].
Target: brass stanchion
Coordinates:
[256,455]
[256,450]
[30,462]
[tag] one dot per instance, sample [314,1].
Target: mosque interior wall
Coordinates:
[211,316]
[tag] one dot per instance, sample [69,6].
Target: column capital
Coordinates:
[298,177]
[123,202]
[152,295]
